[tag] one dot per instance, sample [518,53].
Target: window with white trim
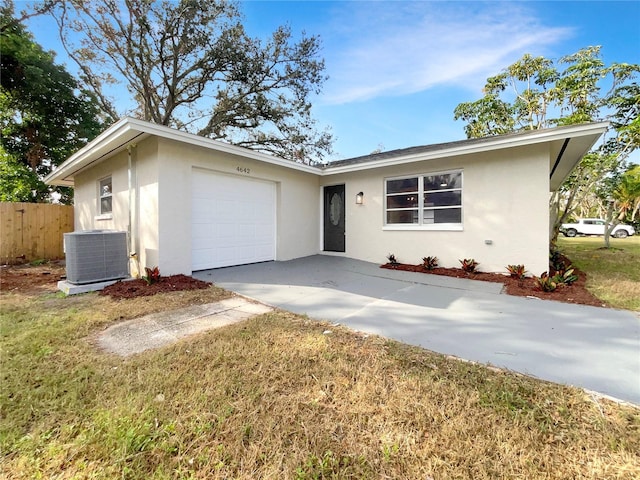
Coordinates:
[424,200]
[104,196]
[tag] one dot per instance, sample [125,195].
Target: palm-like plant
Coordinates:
[627,194]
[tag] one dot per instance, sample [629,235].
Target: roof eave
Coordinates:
[114,138]
[569,154]
[534,137]
[173,134]
[127,130]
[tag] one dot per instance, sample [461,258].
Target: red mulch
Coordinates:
[44,278]
[140,288]
[527,287]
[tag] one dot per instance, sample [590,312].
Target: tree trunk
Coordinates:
[609,225]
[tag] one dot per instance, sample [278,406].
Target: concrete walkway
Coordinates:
[594,348]
[163,328]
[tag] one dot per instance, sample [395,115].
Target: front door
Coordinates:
[334,218]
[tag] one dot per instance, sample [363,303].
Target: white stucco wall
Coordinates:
[145,206]
[297,217]
[505,200]
[144,215]
[86,214]
[161,201]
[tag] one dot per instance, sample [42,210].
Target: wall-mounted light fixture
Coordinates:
[360,198]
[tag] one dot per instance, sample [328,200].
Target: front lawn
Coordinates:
[283,397]
[613,275]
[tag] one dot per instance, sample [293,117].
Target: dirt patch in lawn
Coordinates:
[31,278]
[526,287]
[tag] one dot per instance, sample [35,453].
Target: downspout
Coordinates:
[134,264]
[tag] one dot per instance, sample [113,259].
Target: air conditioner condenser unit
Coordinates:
[96,256]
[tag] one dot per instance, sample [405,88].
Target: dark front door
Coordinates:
[334,218]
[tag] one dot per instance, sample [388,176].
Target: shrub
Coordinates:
[516,271]
[429,263]
[556,261]
[392,259]
[152,276]
[546,283]
[468,265]
[565,277]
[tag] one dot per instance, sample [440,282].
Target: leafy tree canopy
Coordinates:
[44,116]
[191,65]
[536,92]
[626,195]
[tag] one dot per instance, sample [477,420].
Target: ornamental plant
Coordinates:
[429,263]
[565,277]
[468,265]
[557,261]
[152,276]
[546,283]
[516,271]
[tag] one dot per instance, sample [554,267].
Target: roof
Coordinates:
[129,131]
[567,146]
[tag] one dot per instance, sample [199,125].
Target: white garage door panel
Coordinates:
[233,220]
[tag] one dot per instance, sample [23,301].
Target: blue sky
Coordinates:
[397,69]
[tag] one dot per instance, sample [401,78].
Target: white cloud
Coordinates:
[396,48]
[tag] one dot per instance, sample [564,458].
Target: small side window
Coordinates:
[105,198]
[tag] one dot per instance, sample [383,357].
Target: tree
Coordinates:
[44,117]
[19,183]
[535,93]
[190,64]
[627,195]
[39,8]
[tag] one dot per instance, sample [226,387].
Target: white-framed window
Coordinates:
[431,200]
[105,199]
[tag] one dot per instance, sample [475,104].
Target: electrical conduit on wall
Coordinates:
[134,263]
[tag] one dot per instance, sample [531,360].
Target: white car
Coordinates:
[595,226]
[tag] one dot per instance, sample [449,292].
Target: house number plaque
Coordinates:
[245,170]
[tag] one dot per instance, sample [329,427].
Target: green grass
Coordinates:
[613,275]
[277,397]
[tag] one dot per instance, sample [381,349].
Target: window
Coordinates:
[105,198]
[425,200]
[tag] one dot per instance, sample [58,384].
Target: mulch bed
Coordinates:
[43,278]
[140,288]
[527,287]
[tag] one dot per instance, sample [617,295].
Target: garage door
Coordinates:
[233,220]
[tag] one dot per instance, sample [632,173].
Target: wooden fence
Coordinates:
[33,231]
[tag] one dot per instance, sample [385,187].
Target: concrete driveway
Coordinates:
[594,348]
